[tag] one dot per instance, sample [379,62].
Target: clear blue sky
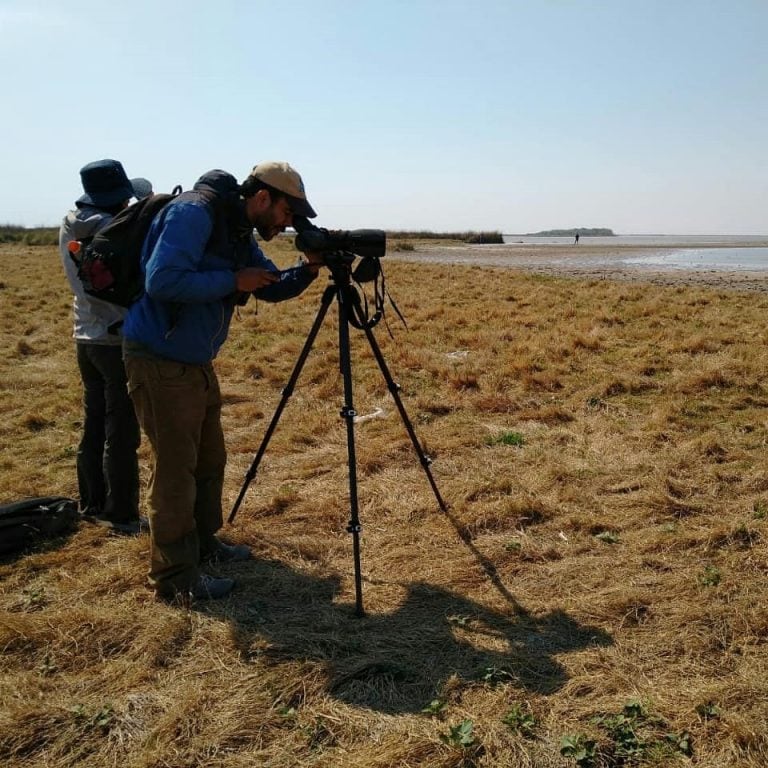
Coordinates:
[647,116]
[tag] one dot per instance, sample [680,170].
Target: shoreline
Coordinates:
[589,262]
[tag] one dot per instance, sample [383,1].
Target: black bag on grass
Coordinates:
[27,521]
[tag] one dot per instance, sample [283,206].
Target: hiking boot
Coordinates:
[227,553]
[124,527]
[211,588]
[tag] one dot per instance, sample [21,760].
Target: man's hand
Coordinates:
[253,278]
[314,260]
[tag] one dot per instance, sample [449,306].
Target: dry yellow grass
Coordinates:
[602,449]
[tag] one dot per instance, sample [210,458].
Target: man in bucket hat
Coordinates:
[200,261]
[107,467]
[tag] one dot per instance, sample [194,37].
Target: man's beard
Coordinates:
[266,227]
[264,232]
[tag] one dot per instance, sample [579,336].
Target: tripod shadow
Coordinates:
[433,644]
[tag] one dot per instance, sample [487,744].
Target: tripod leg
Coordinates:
[328,295]
[395,390]
[348,414]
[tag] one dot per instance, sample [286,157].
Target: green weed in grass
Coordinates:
[102,719]
[496,675]
[580,749]
[520,720]
[515,439]
[708,711]
[634,737]
[460,736]
[434,708]
[710,577]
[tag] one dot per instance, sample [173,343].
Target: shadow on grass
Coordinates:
[435,644]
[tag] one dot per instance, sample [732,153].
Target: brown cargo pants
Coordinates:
[179,408]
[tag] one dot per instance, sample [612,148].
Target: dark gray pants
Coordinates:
[107,466]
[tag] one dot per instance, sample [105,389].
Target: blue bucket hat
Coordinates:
[105,184]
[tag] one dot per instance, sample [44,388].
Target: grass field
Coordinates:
[595,595]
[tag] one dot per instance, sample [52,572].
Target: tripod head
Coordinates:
[339,249]
[340,264]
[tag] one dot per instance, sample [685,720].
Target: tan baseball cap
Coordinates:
[287,180]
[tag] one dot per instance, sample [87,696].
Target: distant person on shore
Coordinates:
[576,239]
[107,466]
[141,188]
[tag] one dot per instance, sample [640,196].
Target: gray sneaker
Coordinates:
[211,587]
[227,553]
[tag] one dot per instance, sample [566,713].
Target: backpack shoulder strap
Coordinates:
[138,216]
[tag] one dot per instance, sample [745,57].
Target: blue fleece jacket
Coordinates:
[185,313]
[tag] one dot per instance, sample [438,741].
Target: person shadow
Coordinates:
[429,643]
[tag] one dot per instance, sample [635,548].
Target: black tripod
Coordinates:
[350,312]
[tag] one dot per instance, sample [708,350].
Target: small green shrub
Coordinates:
[710,577]
[582,750]
[496,675]
[515,439]
[434,708]
[520,720]
[634,737]
[100,720]
[460,736]
[708,711]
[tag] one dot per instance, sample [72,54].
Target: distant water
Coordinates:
[737,253]
[729,259]
[661,240]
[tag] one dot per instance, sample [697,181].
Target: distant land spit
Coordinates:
[594,232]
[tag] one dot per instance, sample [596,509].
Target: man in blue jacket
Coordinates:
[200,261]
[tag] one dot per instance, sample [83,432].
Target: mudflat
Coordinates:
[586,261]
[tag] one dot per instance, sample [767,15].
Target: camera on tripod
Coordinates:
[339,250]
[339,247]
